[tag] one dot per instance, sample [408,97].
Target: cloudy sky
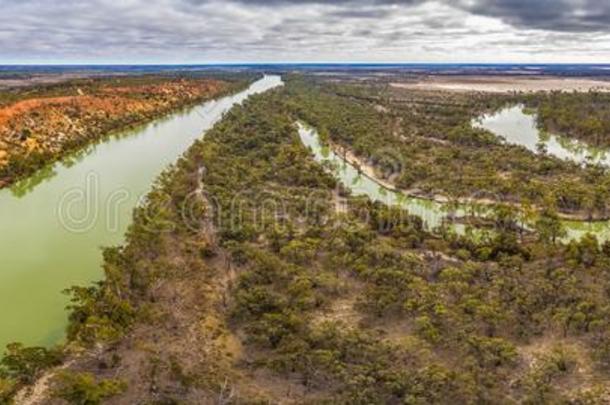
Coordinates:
[200,31]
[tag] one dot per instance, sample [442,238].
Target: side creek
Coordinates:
[432,212]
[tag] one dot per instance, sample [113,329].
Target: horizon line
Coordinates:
[71,64]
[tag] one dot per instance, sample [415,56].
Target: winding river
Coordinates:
[433,213]
[53,225]
[430,211]
[520,128]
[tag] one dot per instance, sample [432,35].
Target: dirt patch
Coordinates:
[505,84]
[580,373]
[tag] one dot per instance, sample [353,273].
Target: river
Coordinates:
[520,128]
[54,224]
[433,213]
[517,127]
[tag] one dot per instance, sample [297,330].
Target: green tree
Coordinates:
[83,389]
[24,364]
[548,225]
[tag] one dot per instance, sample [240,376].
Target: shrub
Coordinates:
[24,364]
[83,389]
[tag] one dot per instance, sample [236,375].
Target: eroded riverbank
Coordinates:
[45,124]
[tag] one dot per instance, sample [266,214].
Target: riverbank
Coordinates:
[369,170]
[39,130]
[186,286]
[427,146]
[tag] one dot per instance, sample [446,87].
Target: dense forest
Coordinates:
[241,282]
[424,143]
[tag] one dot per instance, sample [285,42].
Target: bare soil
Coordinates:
[505,84]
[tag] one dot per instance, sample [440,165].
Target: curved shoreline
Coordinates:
[369,170]
[575,228]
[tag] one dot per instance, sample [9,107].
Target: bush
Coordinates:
[24,364]
[83,389]
[8,388]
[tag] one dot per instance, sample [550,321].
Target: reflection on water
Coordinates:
[40,256]
[430,211]
[24,186]
[517,127]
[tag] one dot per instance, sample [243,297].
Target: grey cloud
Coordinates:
[552,15]
[361,13]
[284,30]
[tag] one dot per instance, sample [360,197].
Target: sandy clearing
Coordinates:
[504,84]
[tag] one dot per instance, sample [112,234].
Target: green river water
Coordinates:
[517,127]
[53,225]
